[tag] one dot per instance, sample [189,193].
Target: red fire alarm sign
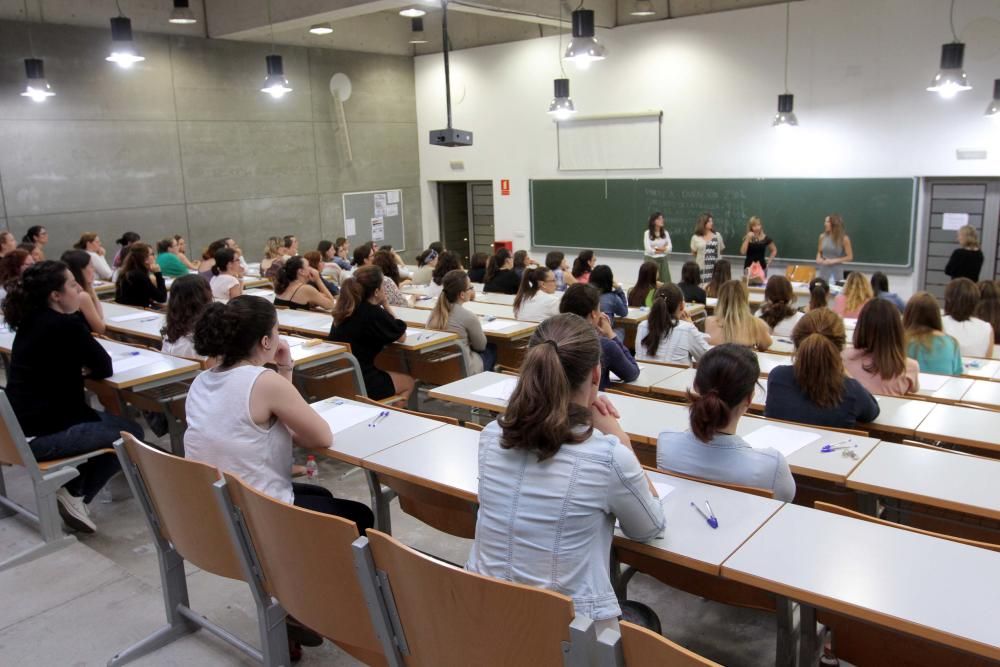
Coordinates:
[505,187]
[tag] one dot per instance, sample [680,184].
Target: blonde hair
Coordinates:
[453,284]
[754,220]
[836,229]
[272,248]
[968,237]
[733,313]
[857,291]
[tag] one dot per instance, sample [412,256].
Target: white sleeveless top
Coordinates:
[222,433]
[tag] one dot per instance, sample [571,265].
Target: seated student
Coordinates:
[290,243]
[477,267]
[208,256]
[167,259]
[733,322]
[522,261]
[878,359]
[298,286]
[641,294]
[816,389]
[819,295]
[988,309]
[243,417]
[555,471]
[341,251]
[226,282]
[12,265]
[777,310]
[926,341]
[857,292]
[182,253]
[90,309]
[447,262]
[363,318]
[500,277]
[52,354]
[880,288]
[583,265]
[391,279]
[90,242]
[364,255]
[40,237]
[668,335]
[974,336]
[190,296]
[584,300]
[123,243]
[536,299]
[613,301]
[140,282]
[723,391]
[426,261]
[34,250]
[400,264]
[722,273]
[449,314]
[274,255]
[690,284]
[314,260]
[7,243]
[556,262]
[967,260]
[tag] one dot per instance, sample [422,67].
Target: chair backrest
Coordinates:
[441,418]
[843,511]
[10,434]
[753,490]
[180,492]
[449,616]
[308,565]
[799,273]
[645,648]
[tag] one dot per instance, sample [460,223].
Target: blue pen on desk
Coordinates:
[130,354]
[832,447]
[375,422]
[709,518]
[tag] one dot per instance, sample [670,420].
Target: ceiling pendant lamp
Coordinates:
[275,83]
[123,51]
[993,108]
[412,12]
[561,107]
[951,79]
[182,14]
[417,31]
[643,8]
[584,48]
[785,117]
[36,87]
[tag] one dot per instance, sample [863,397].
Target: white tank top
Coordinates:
[222,433]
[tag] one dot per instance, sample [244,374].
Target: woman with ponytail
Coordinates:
[723,391]
[500,277]
[364,319]
[668,335]
[555,471]
[819,294]
[536,299]
[227,281]
[449,314]
[52,354]
[300,287]
[777,309]
[816,389]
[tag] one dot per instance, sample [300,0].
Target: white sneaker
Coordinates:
[74,512]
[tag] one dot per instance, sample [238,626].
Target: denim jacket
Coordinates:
[550,523]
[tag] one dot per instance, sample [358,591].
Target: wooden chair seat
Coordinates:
[72,460]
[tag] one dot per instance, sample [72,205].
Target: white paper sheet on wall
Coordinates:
[954,221]
[378,229]
[350,227]
[380,204]
[391,210]
[392,197]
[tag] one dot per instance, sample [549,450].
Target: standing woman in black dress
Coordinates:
[756,243]
[966,262]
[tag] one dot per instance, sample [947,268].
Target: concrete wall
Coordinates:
[185,142]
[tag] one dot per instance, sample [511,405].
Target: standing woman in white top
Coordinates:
[536,298]
[656,245]
[974,336]
[226,282]
[91,242]
[834,249]
[243,417]
[555,471]
[706,245]
[668,335]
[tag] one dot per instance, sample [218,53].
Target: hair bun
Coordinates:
[214,330]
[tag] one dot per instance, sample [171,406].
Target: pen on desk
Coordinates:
[711,513]
[375,422]
[832,447]
[134,353]
[709,519]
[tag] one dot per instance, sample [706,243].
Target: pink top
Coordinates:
[840,307]
[855,362]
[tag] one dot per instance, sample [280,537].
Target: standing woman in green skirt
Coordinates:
[656,245]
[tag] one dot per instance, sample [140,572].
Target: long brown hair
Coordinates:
[880,334]
[541,416]
[384,260]
[662,316]
[453,284]
[819,370]
[778,298]
[837,232]
[531,282]
[921,319]
[857,290]
[496,263]
[447,262]
[702,223]
[356,289]
[988,309]
[135,260]
[722,273]
[961,298]
[189,297]
[653,217]
[649,273]
[726,376]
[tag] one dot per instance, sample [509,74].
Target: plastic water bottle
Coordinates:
[312,470]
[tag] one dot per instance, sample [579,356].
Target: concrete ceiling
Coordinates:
[373,26]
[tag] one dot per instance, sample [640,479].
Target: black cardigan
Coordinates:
[136,289]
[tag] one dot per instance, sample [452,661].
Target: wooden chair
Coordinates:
[47,477]
[181,510]
[635,646]
[307,564]
[865,644]
[443,616]
[800,273]
[506,370]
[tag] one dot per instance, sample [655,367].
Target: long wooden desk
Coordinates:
[971,427]
[497,330]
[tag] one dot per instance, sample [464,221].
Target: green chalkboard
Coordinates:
[611,214]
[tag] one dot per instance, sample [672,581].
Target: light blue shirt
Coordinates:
[550,523]
[727,458]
